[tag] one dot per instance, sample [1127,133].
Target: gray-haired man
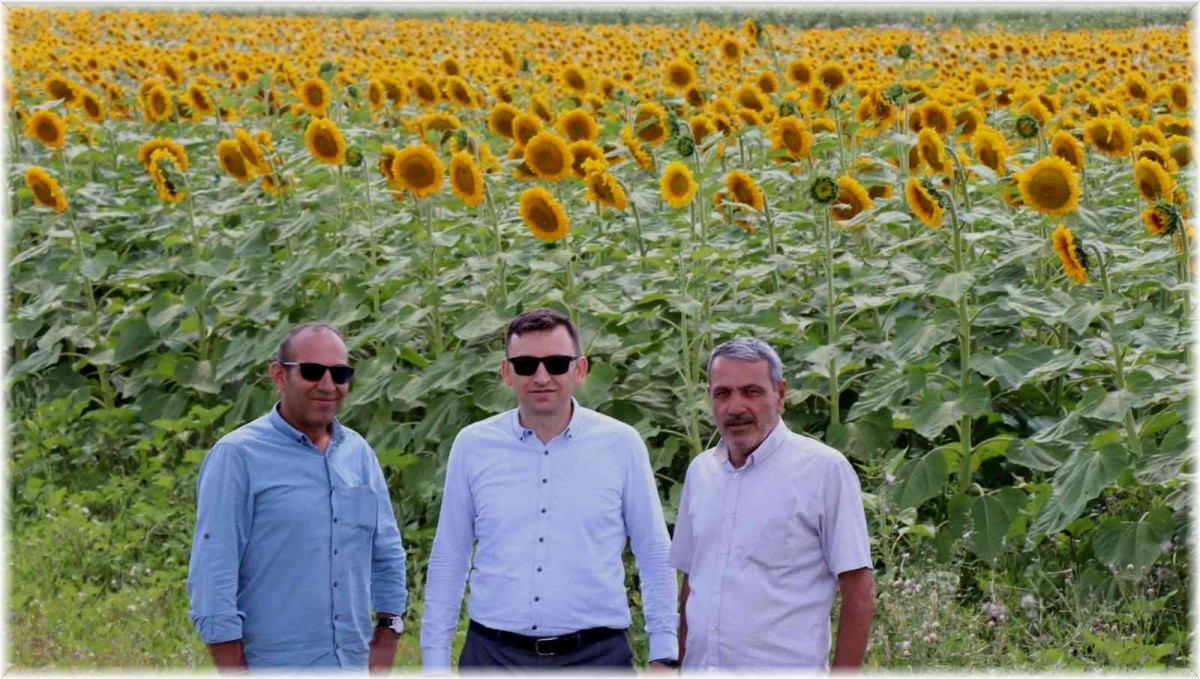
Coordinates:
[770,526]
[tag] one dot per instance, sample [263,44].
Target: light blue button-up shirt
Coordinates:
[294,548]
[551,522]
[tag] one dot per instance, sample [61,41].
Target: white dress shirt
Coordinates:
[763,545]
[549,525]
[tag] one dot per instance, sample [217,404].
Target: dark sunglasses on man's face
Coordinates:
[313,372]
[528,365]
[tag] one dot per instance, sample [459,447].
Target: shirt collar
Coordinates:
[764,450]
[293,434]
[574,428]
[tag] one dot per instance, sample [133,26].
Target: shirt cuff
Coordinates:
[664,646]
[435,660]
[216,629]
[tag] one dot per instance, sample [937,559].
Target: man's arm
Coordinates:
[651,545]
[223,518]
[449,561]
[857,588]
[684,591]
[388,578]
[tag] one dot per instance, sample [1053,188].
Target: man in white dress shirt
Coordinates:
[546,494]
[770,526]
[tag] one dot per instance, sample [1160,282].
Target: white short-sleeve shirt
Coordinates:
[762,546]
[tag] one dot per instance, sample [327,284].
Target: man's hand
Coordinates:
[383,651]
[229,657]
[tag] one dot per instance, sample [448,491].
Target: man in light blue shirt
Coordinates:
[296,542]
[546,494]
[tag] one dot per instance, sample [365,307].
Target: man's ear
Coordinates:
[781,392]
[278,373]
[506,372]
[581,367]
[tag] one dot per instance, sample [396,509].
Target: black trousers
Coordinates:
[482,653]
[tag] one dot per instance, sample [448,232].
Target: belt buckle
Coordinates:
[537,646]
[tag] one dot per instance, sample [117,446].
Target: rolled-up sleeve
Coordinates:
[651,547]
[844,524]
[223,520]
[388,579]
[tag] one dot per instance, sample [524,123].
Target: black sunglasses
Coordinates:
[528,365]
[313,372]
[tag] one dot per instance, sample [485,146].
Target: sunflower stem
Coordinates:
[197,256]
[433,273]
[772,251]
[1118,350]
[373,236]
[641,241]
[699,199]
[831,321]
[571,306]
[837,121]
[106,389]
[495,219]
[964,355]
[112,145]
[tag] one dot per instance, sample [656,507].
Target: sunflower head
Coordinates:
[524,127]
[548,156]
[791,136]
[651,123]
[387,154]
[466,181]
[1065,146]
[677,185]
[46,191]
[325,141]
[419,170]
[925,201]
[165,174]
[231,160]
[852,199]
[1049,186]
[740,187]
[1027,126]
[823,190]
[1071,253]
[604,189]
[148,148]
[545,216]
[578,124]
[1153,182]
[48,128]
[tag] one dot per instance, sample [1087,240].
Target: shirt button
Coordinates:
[335,583]
[543,510]
[541,539]
[337,617]
[335,552]
[544,481]
[534,627]
[539,569]
[545,452]
[335,519]
[537,598]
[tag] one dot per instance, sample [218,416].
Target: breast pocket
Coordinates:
[356,505]
[776,544]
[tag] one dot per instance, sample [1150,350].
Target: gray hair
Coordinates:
[282,354]
[751,350]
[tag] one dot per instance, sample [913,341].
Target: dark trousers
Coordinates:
[482,653]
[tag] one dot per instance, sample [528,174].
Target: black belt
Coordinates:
[556,645]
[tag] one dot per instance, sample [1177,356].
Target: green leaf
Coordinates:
[196,375]
[990,519]
[932,415]
[993,447]
[886,387]
[1036,456]
[596,387]
[1081,315]
[1111,408]
[974,399]
[135,339]
[1121,544]
[1036,306]
[1082,477]
[915,337]
[94,268]
[952,286]
[920,479]
[480,324]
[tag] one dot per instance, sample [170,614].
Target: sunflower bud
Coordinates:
[939,195]
[684,145]
[786,109]
[904,51]
[894,93]
[1027,126]
[352,90]
[823,190]
[1172,217]
[461,138]
[354,156]
[327,69]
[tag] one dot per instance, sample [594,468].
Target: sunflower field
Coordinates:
[970,246]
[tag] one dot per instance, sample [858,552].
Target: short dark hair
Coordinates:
[541,320]
[282,354]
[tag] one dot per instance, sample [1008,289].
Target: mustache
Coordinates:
[729,422]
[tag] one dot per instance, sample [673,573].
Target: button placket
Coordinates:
[543,526]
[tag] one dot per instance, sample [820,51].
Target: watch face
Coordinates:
[397,625]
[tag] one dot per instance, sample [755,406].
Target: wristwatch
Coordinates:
[673,664]
[392,622]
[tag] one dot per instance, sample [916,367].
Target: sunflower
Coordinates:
[157,104]
[767,82]
[741,188]
[749,117]
[396,92]
[1153,182]
[418,169]
[459,92]
[731,50]
[1180,149]
[164,172]
[325,141]
[1109,135]
[1155,220]
[92,106]
[575,78]
[45,189]
[968,121]
[500,119]
[524,127]
[853,196]
[639,154]
[695,98]
[465,179]
[548,156]
[1180,96]
[818,97]
[800,72]
[1158,154]
[991,149]
[545,216]
[1070,252]
[376,95]
[604,189]
[314,96]
[583,151]
[1049,186]
[677,185]
[679,75]
[932,152]
[577,124]
[936,116]
[790,135]
[924,204]
[230,158]
[1035,109]
[539,105]
[47,127]
[1150,134]
[702,127]
[424,89]
[751,97]
[1065,146]
[387,155]
[832,76]
[148,148]
[651,123]
[879,191]
[251,151]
